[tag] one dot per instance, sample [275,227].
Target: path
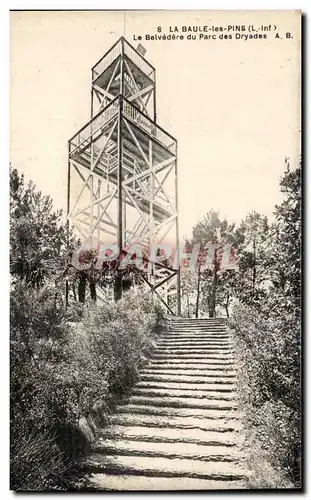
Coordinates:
[179,429]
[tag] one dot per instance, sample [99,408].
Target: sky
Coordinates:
[233,105]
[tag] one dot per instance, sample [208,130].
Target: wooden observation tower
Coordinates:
[122,167]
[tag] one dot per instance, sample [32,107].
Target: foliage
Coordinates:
[287,257]
[270,388]
[118,335]
[253,235]
[65,363]
[38,235]
[269,338]
[215,283]
[61,370]
[262,299]
[189,279]
[36,460]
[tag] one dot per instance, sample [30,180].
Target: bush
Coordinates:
[120,335]
[36,461]
[62,371]
[268,351]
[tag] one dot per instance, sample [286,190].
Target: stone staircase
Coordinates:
[179,429]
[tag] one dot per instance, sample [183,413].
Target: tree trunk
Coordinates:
[93,289]
[117,288]
[74,292]
[66,294]
[227,305]
[198,294]
[212,307]
[82,288]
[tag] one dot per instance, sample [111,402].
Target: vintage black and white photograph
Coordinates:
[155,250]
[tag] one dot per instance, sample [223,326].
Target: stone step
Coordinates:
[198,321]
[173,393]
[198,329]
[180,402]
[167,467]
[188,366]
[211,357]
[204,328]
[202,354]
[193,323]
[194,349]
[190,332]
[219,319]
[178,326]
[197,324]
[181,319]
[191,369]
[195,346]
[186,379]
[178,412]
[191,364]
[193,342]
[144,483]
[187,331]
[151,370]
[159,421]
[201,321]
[195,334]
[193,337]
[206,359]
[170,435]
[185,386]
[167,450]
[190,324]
[182,350]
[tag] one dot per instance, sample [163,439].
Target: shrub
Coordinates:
[268,349]
[120,334]
[63,370]
[36,461]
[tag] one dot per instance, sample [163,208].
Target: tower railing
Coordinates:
[130,52]
[107,59]
[140,62]
[94,126]
[149,126]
